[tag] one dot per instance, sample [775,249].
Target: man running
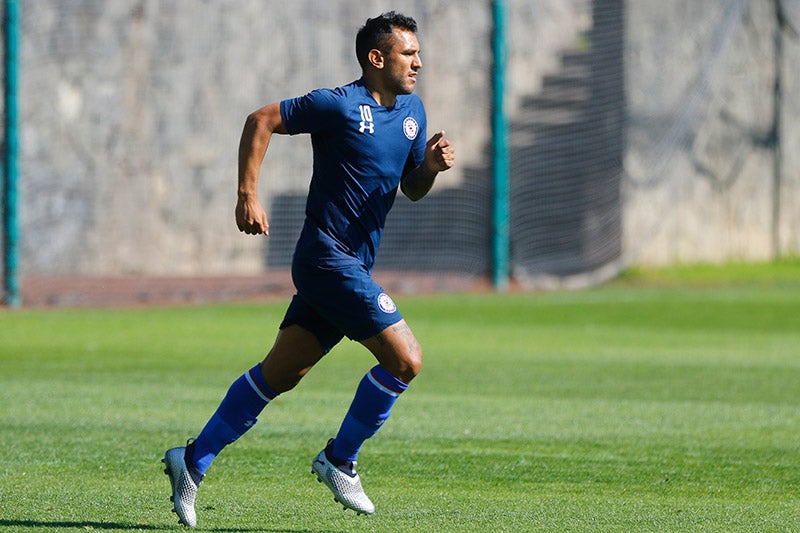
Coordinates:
[368,139]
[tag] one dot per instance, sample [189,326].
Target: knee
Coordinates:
[397,351]
[285,383]
[283,378]
[409,365]
[290,359]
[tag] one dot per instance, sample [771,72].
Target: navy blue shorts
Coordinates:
[334,303]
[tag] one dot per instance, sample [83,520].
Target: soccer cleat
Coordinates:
[346,488]
[184,489]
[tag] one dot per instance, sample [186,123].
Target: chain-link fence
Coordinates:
[639,131]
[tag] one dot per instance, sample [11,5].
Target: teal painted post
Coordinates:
[10,157]
[500,168]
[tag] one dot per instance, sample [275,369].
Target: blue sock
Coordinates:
[237,413]
[371,407]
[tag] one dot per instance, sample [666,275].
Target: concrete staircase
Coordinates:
[566,146]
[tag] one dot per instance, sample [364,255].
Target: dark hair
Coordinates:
[376,32]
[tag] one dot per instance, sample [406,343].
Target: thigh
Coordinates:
[301,313]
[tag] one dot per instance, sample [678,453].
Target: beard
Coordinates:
[403,85]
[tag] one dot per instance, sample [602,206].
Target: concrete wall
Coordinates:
[701,149]
[132,111]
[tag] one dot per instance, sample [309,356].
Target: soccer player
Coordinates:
[368,139]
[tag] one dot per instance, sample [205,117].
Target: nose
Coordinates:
[417,63]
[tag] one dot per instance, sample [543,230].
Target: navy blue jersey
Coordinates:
[361,150]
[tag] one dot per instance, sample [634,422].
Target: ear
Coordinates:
[376,58]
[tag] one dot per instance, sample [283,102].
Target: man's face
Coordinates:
[402,62]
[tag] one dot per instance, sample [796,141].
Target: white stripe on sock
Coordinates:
[255,387]
[380,387]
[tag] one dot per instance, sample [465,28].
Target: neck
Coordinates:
[382,96]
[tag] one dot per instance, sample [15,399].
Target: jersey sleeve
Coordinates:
[417,153]
[314,112]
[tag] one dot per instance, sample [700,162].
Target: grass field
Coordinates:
[666,401]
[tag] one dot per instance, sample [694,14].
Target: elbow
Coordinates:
[414,196]
[254,123]
[257,120]
[252,119]
[267,119]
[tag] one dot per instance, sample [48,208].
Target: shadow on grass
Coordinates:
[90,526]
[77,525]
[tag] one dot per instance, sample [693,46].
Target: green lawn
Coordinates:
[666,406]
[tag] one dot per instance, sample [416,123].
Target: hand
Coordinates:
[439,153]
[250,216]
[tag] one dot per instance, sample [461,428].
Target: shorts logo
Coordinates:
[410,128]
[386,304]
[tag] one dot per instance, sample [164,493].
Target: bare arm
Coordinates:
[439,156]
[258,129]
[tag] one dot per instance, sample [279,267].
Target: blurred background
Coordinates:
[644,132]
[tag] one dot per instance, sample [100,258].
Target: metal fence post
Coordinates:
[500,165]
[11,32]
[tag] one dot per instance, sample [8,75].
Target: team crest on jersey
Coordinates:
[410,128]
[386,303]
